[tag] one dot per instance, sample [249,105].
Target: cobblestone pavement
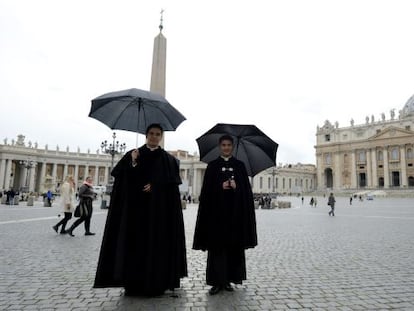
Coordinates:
[361,259]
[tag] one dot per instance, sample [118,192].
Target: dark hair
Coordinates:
[226,137]
[154,126]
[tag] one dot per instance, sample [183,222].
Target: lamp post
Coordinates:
[27,164]
[113,149]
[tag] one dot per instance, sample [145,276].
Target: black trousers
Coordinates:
[225,266]
[85,218]
[64,221]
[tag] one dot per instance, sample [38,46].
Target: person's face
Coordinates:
[89,180]
[154,137]
[226,148]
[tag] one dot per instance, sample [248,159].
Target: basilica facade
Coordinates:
[378,154]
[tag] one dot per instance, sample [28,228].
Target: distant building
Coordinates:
[373,155]
[286,179]
[26,167]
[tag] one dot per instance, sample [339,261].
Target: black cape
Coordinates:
[226,218]
[143,245]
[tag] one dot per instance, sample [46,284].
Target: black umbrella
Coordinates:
[251,146]
[133,110]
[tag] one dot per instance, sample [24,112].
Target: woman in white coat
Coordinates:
[67,199]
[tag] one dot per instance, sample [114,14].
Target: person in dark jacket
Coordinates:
[331,203]
[226,222]
[143,247]
[86,196]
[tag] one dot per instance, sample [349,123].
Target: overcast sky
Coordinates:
[286,66]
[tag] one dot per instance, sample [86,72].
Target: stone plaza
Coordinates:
[361,259]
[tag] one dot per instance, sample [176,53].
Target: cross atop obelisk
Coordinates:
[159,61]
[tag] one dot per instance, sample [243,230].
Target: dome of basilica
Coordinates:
[408,109]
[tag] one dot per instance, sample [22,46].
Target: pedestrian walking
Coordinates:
[331,203]
[67,200]
[350,200]
[226,223]
[86,196]
[302,200]
[49,197]
[143,247]
[311,201]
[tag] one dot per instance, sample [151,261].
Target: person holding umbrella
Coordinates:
[226,223]
[143,247]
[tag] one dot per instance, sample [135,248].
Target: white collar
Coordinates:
[152,149]
[225,158]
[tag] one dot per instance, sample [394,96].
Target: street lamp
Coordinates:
[27,164]
[113,149]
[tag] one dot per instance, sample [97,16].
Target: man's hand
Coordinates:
[134,157]
[147,188]
[226,185]
[233,184]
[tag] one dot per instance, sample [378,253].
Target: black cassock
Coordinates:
[226,222]
[143,247]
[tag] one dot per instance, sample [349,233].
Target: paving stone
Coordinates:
[305,260]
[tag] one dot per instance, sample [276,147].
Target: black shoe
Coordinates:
[229,288]
[214,290]
[89,233]
[70,232]
[63,232]
[55,228]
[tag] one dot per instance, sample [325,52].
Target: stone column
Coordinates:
[86,172]
[374,168]
[2,173]
[319,174]
[32,173]
[76,174]
[7,175]
[353,170]
[369,168]
[403,163]
[106,181]
[96,178]
[42,176]
[65,171]
[386,169]
[194,183]
[23,178]
[337,171]
[54,175]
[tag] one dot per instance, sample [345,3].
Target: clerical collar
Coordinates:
[225,158]
[152,149]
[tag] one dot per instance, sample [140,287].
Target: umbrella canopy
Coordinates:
[133,110]
[251,146]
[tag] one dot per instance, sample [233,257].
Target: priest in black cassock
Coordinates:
[143,247]
[226,222]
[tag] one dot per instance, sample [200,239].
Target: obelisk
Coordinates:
[159,62]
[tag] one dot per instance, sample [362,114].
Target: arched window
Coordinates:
[380,156]
[410,153]
[395,155]
[328,159]
[261,182]
[361,156]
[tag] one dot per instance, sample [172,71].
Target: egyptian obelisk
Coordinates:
[159,61]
